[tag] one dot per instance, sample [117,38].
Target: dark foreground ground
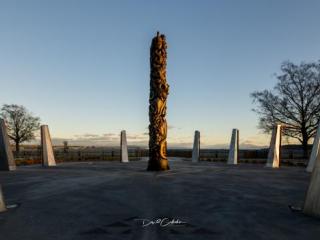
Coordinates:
[104,200]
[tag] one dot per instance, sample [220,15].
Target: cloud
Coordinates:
[180,144]
[142,139]
[87,135]
[110,135]
[250,144]
[106,139]
[171,127]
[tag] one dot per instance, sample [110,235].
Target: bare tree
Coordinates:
[294,102]
[20,122]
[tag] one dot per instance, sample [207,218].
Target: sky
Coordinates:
[82,66]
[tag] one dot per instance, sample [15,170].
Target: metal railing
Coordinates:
[33,156]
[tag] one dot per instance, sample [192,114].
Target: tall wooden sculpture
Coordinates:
[159,90]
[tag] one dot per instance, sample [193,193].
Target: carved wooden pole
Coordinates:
[159,90]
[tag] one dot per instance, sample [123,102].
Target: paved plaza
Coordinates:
[112,200]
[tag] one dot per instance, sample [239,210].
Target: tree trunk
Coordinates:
[17,146]
[305,144]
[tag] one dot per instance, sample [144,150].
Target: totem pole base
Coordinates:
[161,165]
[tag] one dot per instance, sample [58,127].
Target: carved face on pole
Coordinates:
[159,90]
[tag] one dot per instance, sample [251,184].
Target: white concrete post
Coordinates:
[234,147]
[2,202]
[312,200]
[196,147]
[124,147]
[315,151]
[274,150]
[7,161]
[46,145]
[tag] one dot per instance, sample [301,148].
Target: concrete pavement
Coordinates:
[103,200]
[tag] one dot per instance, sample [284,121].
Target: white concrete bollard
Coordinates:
[3,207]
[312,200]
[124,147]
[7,161]
[315,151]
[234,147]
[196,147]
[274,150]
[46,145]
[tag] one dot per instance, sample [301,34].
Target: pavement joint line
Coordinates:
[168,174]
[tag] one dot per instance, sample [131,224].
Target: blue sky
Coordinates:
[83,66]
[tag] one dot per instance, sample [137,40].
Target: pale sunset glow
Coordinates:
[83,67]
